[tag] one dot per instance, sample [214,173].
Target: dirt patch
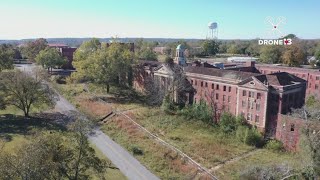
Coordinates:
[97,109]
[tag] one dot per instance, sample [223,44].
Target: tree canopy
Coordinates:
[50,58]
[210,47]
[293,55]
[100,63]
[270,54]
[6,57]
[32,48]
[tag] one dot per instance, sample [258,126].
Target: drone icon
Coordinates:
[275,24]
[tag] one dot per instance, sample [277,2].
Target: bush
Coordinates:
[199,111]
[249,136]
[274,145]
[167,105]
[227,123]
[136,150]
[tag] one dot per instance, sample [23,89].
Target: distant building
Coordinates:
[241,59]
[66,52]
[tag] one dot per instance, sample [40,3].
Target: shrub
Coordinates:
[249,136]
[199,111]
[274,145]
[167,105]
[228,123]
[136,150]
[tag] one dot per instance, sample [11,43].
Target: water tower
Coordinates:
[212,31]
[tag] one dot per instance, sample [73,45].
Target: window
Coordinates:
[206,84]
[316,86]
[224,98]
[229,99]
[242,114]
[317,77]
[292,127]
[258,95]
[251,104]
[224,88]
[192,82]
[243,104]
[201,83]
[257,119]
[212,86]
[249,117]
[195,100]
[251,94]
[258,107]
[244,93]
[229,89]
[217,88]
[195,82]
[217,96]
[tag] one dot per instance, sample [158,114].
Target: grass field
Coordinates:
[200,141]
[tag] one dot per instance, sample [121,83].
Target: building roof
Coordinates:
[229,74]
[57,45]
[279,79]
[180,46]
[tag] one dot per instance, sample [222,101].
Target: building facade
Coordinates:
[261,95]
[66,52]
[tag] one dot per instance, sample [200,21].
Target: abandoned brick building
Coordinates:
[66,52]
[261,94]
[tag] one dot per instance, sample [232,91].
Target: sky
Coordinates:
[237,19]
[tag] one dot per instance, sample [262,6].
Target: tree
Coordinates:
[50,58]
[32,48]
[148,54]
[210,47]
[102,63]
[233,49]
[6,57]
[54,156]
[25,92]
[293,55]
[270,54]
[317,54]
[81,62]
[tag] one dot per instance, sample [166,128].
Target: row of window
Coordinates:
[251,94]
[251,105]
[213,86]
[249,117]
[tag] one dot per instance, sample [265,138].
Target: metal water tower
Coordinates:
[212,31]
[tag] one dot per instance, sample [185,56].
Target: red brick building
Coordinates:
[262,98]
[66,52]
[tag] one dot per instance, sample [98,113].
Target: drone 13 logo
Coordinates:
[275,25]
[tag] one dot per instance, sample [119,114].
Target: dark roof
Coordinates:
[149,63]
[279,79]
[57,45]
[236,75]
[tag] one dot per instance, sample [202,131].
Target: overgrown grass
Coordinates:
[263,157]
[200,140]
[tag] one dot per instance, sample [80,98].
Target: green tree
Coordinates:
[24,92]
[50,58]
[32,48]
[6,57]
[148,54]
[233,49]
[293,55]
[54,156]
[270,54]
[210,47]
[81,62]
